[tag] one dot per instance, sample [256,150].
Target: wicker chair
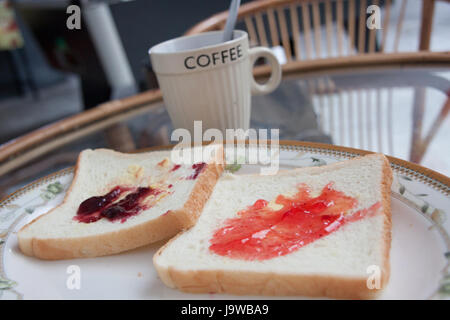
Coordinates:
[302,27]
[330,33]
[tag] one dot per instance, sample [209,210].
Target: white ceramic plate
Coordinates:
[420,251]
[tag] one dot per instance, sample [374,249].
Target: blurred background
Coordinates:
[61,88]
[50,72]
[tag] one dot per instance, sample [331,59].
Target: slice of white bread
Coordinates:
[177,205]
[335,265]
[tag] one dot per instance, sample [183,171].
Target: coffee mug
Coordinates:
[203,78]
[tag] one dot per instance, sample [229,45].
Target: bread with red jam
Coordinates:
[319,231]
[119,202]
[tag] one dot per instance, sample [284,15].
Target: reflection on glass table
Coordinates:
[402,113]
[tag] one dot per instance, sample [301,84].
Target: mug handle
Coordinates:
[275,77]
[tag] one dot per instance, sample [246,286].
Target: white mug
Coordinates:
[203,78]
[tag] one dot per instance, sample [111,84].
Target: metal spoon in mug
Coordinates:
[231,20]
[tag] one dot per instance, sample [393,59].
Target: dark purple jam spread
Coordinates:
[96,208]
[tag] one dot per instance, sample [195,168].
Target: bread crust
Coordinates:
[276,284]
[387,235]
[162,227]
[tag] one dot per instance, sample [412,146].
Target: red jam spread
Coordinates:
[175,167]
[260,233]
[198,168]
[106,206]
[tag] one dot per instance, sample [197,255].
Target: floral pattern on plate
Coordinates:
[431,203]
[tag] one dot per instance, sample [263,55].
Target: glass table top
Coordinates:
[402,112]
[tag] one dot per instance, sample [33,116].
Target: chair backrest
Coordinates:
[320,29]
[312,29]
